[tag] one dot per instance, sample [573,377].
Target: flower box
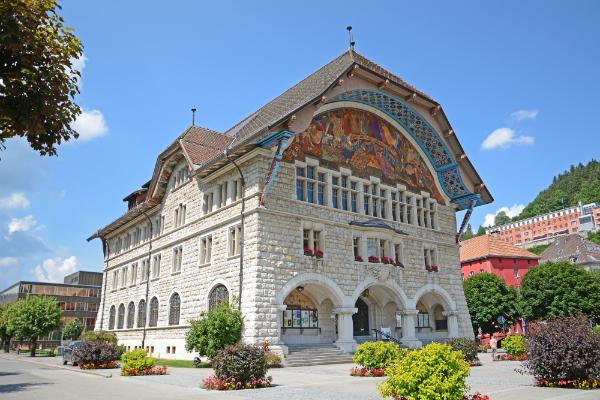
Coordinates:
[386,260]
[373,259]
[318,253]
[428,267]
[358,258]
[398,263]
[308,252]
[434,268]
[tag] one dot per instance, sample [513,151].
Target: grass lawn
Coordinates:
[179,363]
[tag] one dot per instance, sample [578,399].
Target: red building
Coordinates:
[490,254]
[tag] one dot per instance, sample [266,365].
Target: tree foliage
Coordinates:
[594,236]
[579,183]
[501,218]
[73,329]
[4,333]
[32,317]
[488,298]
[214,330]
[38,81]
[555,289]
[538,249]
[100,336]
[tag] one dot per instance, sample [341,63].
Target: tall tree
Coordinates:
[554,289]
[73,329]
[468,233]
[4,333]
[38,81]
[480,231]
[32,317]
[501,218]
[488,298]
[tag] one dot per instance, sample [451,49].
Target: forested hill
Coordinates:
[579,183]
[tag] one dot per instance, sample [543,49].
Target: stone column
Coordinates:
[360,201]
[345,340]
[388,205]
[409,321]
[452,317]
[229,192]
[280,346]
[328,191]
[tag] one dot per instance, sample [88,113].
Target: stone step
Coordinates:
[318,362]
[315,354]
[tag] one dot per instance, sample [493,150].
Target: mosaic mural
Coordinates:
[365,143]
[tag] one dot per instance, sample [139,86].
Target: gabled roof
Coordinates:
[574,248]
[489,246]
[201,144]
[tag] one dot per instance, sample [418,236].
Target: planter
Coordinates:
[373,259]
[309,252]
[398,263]
[358,258]
[318,253]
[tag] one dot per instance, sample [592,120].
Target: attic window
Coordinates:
[180,177]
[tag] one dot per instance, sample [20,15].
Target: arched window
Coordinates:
[153,312]
[121,317]
[217,295]
[130,315]
[174,306]
[141,314]
[111,318]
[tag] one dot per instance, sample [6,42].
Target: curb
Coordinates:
[81,371]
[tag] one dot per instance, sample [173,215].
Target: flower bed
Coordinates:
[358,258]
[106,365]
[367,372]
[570,384]
[159,370]
[432,268]
[213,383]
[511,357]
[475,396]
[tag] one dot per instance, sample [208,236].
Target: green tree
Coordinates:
[594,237]
[488,298]
[555,289]
[468,233]
[4,333]
[32,317]
[480,231]
[73,329]
[501,218]
[214,330]
[38,80]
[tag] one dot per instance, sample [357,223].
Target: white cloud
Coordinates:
[521,115]
[24,224]
[55,269]
[503,138]
[78,64]
[6,261]
[513,211]
[90,124]
[16,200]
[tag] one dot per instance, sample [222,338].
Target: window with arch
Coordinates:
[174,307]
[111,318]
[121,317]
[218,295]
[153,312]
[130,315]
[141,314]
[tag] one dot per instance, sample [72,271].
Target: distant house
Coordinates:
[575,249]
[490,254]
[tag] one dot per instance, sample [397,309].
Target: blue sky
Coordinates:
[526,72]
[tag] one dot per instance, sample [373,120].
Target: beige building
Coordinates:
[341,230]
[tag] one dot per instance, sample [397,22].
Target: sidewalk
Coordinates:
[57,363]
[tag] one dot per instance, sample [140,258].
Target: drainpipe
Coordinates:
[241,279]
[147,281]
[103,299]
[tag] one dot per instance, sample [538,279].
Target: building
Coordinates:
[78,297]
[575,249]
[344,221]
[490,254]
[543,229]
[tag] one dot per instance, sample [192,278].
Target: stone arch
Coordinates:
[391,285]
[320,280]
[447,302]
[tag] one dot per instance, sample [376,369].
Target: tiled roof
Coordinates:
[201,144]
[574,248]
[490,246]
[307,90]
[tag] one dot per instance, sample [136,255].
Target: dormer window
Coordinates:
[181,176]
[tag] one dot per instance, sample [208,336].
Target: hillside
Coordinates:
[579,183]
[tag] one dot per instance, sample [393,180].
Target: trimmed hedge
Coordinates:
[466,346]
[377,354]
[514,345]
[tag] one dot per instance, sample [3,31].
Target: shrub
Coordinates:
[137,359]
[95,354]
[214,330]
[73,329]
[377,354]
[99,336]
[273,360]
[466,346]
[435,372]
[563,349]
[514,345]
[240,362]
[596,329]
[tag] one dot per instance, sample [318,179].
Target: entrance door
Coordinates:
[360,320]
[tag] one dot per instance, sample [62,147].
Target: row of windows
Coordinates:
[344,192]
[77,306]
[59,290]
[119,318]
[224,193]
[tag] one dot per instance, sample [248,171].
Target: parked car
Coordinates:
[68,352]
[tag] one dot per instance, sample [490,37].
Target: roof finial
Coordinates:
[194,116]
[350,37]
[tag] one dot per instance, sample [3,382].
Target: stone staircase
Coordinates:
[315,354]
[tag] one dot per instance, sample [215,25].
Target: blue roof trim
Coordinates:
[273,138]
[425,136]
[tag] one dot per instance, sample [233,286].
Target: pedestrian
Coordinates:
[494,347]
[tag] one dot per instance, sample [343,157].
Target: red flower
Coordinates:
[373,259]
[308,251]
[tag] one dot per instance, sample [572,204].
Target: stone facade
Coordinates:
[345,298]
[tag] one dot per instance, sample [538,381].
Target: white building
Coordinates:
[351,183]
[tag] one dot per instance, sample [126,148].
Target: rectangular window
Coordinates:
[306,238]
[366,198]
[372,247]
[179,216]
[356,246]
[205,250]
[311,239]
[398,252]
[234,240]
[353,197]
[335,191]
[115,280]
[177,258]
[321,189]
[422,320]
[300,180]
[124,277]
[156,265]
[316,240]
[134,269]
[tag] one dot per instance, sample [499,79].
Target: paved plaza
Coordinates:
[45,378]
